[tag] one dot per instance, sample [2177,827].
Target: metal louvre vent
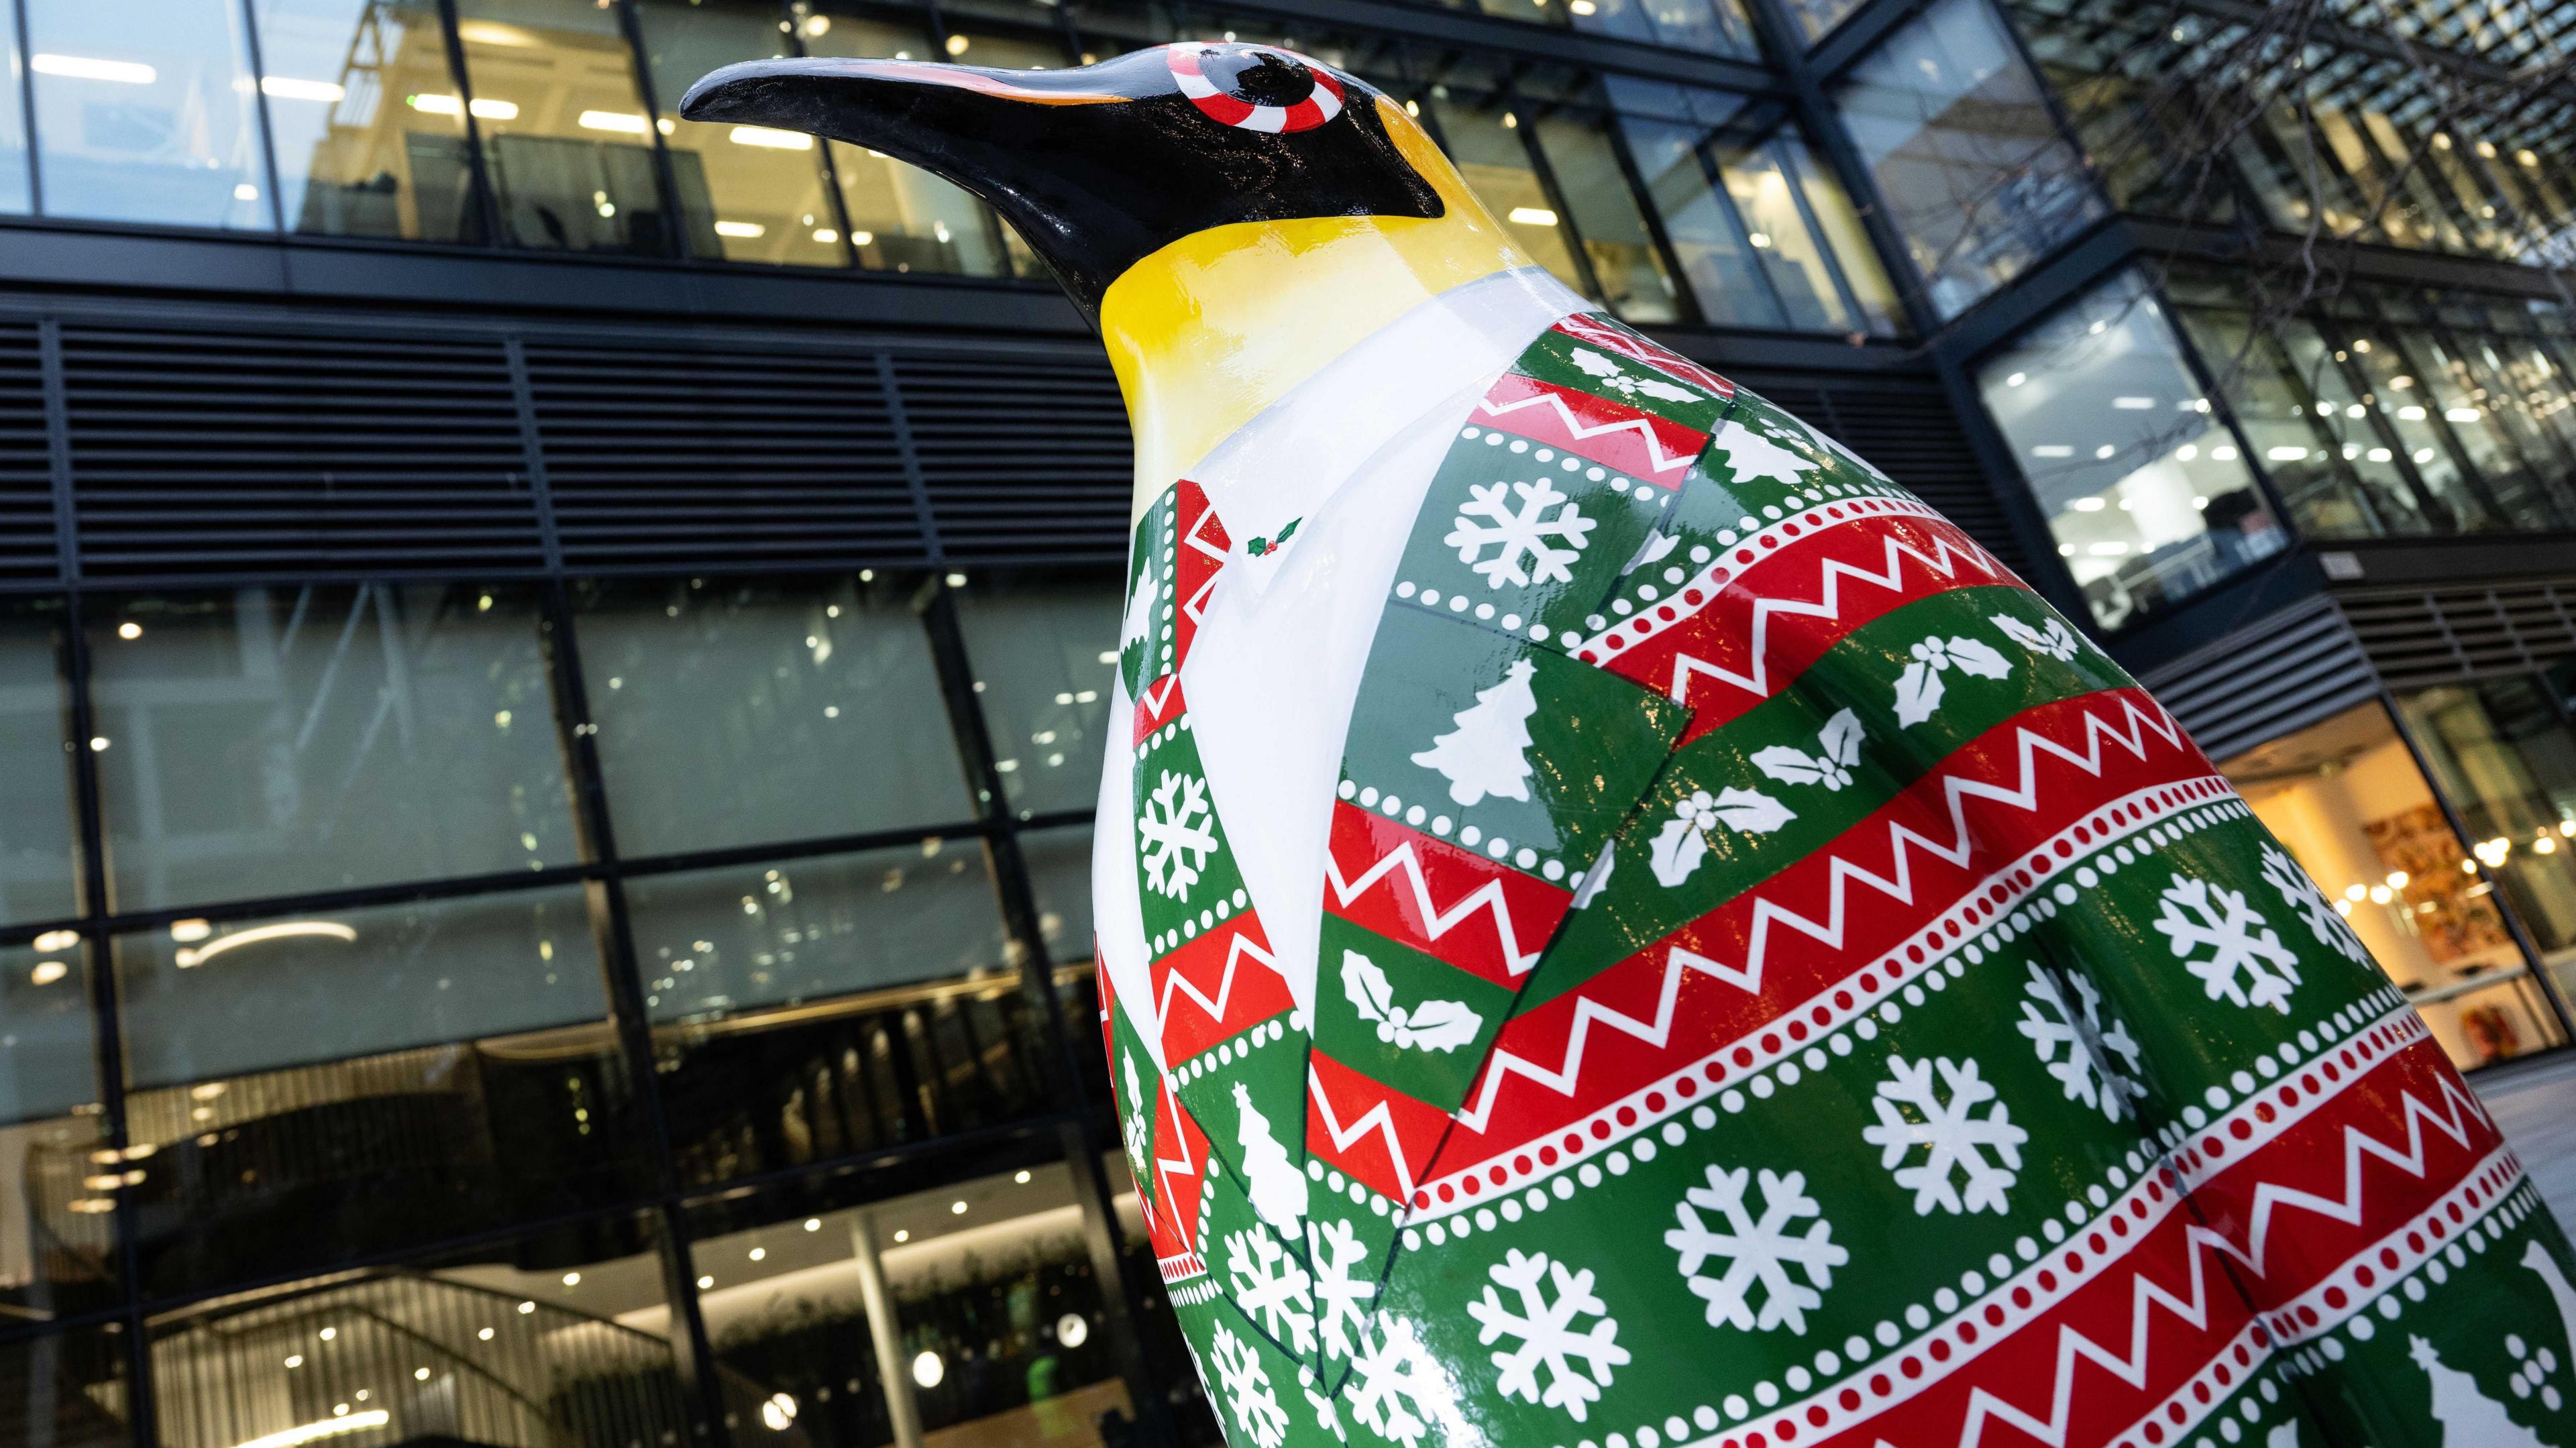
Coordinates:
[1025,458]
[2421,637]
[201,453]
[26,464]
[1908,430]
[2285,671]
[659,459]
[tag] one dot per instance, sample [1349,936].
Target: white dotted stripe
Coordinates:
[2440,1228]
[2326,1348]
[1756,1056]
[2313,1078]
[1470,837]
[2207,1393]
[1178,1270]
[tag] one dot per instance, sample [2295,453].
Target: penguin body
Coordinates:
[1619,925]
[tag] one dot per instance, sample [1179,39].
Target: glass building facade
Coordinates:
[553,658]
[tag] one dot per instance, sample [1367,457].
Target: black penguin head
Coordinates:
[1102,166]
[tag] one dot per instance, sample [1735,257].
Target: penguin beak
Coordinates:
[867,102]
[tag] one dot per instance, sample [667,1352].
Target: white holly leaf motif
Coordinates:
[1676,851]
[1665,391]
[1596,364]
[1972,656]
[1751,811]
[1918,692]
[1429,1026]
[1919,689]
[2057,640]
[1838,744]
[1678,848]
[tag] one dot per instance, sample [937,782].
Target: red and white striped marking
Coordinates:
[1320,105]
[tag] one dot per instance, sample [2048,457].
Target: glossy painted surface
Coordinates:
[1619,925]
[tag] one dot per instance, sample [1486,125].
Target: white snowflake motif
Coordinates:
[1955,1138]
[1396,1387]
[1759,1252]
[1517,531]
[2197,913]
[1343,1288]
[2301,894]
[1271,1288]
[2051,1025]
[1245,1384]
[1176,835]
[2057,640]
[1547,1335]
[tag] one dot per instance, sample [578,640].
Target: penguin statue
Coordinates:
[1620,926]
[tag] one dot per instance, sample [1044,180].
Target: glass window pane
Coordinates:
[276,740]
[1482,135]
[2522,472]
[561,1338]
[2141,485]
[1615,239]
[1964,148]
[1716,27]
[14,193]
[1044,654]
[355,156]
[902,218]
[2394,392]
[39,861]
[1059,866]
[2506,757]
[1831,213]
[347,1082]
[1777,229]
[766,185]
[1708,235]
[2314,453]
[144,113]
[67,1390]
[740,713]
[1817,17]
[565,137]
[57,1237]
[2346,799]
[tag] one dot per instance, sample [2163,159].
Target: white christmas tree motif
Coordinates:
[1547,1336]
[2469,1418]
[2053,1026]
[1919,688]
[1271,1288]
[1677,849]
[1837,750]
[1620,382]
[1396,1387]
[1488,753]
[1278,1189]
[2301,894]
[1751,456]
[1343,1286]
[1760,1251]
[2057,640]
[1138,624]
[1135,1128]
[1550,543]
[1245,1385]
[1425,1026]
[1912,1112]
[1175,833]
[2196,913]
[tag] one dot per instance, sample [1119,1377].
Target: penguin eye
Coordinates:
[1255,89]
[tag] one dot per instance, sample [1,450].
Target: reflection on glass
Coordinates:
[405,1073]
[273,741]
[1715,27]
[1481,133]
[67,1390]
[38,859]
[144,113]
[541,1342]
[1045,653]
[735,713]
[15,195]
[354,157]
[1817,17]
[1957,132]
[565,137]
[57,1239]
[1615,240]
[2143,488]
[2334,471]
[2505,755]
[2524,474]
[902,218]
[1059,866]
[767,186]
[2396,394]
[2345,798]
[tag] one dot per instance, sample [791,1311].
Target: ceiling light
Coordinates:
[742,230]
[2460,414]
[903,1236]
[2285,454]
[47,972]
[1022,1178]
[770,137]
[282,930]
[957,1209]
[56,940]
[84,67]
[322,1428]
[927,1370]
[623,121]
[2052,450]
[1533,216]
[486,109]
[291,88]
[2133,404]
[957,46]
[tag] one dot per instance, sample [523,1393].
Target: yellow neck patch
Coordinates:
[1212,329]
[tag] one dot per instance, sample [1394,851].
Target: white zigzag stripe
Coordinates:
[1376,1119]
[1236,949]
[1664,462]
[2132,1368]
[1196,604]
[1437,922]
[1687,667]
[1830,932]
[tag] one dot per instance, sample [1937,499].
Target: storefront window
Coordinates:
[566,139]
[2144,489]
[57,1238]
[771,199]
[1966,152]
[2504,753]
[353,157]
[2344,796]
[144,112]
[275,741]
